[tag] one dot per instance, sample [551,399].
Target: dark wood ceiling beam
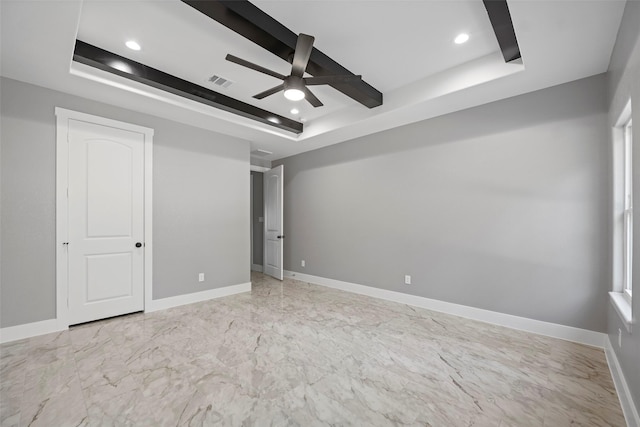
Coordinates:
[107,61]
[249,21]
[500,18]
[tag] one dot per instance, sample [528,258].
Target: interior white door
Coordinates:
[106,221]
[273,228]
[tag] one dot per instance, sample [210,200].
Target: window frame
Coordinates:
[627,141]
[622,140]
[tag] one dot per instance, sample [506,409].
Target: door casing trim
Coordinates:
[62,212]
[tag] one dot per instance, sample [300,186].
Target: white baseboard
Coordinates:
[256,267]
[554,330]
[164,303]
[626,401]
[28,330]
[14,333]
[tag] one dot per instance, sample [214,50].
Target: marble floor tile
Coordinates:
[10,397]
[294,354]
[52,395]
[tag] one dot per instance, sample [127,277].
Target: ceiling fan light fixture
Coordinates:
[294,94]
[293,88]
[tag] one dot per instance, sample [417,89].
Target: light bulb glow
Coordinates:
[122,66]
[294,94]
[294,111]
[461,38]
[132,45]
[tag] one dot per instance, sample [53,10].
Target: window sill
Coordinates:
[623,307]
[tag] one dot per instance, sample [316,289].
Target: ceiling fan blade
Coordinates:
[269,92]
[309,96]
[326,80]
[253,66]
[304,45]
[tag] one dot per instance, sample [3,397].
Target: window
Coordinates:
[627,284]
[623,217]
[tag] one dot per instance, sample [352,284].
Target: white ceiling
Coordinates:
[404,49]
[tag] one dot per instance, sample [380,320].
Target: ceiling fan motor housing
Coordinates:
[293,82]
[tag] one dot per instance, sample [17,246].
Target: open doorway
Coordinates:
[257,220]
[267,225]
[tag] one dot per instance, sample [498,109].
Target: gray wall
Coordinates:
[258,211]
[502,207]
[200,202]
[624,83]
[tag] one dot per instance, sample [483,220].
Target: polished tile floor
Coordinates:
[294,354]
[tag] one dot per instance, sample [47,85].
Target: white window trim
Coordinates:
[621,296]
[628,207]
[623,307]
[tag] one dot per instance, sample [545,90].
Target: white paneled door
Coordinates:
[273,227]
[106,221]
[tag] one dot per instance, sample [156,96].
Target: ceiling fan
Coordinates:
[295,84]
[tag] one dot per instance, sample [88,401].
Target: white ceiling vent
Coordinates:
[260,153]
[220,81]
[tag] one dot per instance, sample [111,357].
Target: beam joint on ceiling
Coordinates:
[96,57]
[500,18]
[249,21]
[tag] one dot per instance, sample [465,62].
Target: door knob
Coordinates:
[138,245]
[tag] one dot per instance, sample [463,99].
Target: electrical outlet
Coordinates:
[303,263]
[201,277]
[620,338]
[407,279]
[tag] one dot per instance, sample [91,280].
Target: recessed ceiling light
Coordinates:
[294,111]
[461,38]
[132,45]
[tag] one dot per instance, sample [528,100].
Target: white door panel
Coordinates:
[109,192]
[106,220]
[273,228]
[109,276]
